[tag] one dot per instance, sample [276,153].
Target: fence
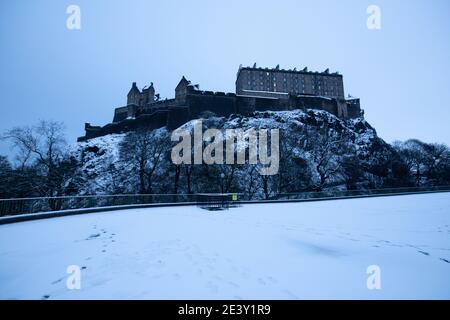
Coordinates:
[18,206]
[355,193]
[33,205]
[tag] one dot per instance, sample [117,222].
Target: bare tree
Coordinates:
[226,176]
[6,177]
[188,173]
[42,146]
[326,148]
[436,161]
[414,156]
[145,150]
[250,182]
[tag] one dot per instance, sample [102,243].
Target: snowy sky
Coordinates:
[401,72]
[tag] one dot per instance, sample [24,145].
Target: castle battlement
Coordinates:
[295,71]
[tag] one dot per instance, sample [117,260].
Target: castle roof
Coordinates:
[183,82]
[134,89]
[277,69]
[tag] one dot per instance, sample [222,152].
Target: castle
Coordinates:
[257,89]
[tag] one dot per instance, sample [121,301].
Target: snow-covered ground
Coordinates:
[260,251]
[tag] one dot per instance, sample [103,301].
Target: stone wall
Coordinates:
[143,110]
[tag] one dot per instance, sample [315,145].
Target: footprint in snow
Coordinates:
[93,236]
[272,279]
[290,294]
[233,284]
[57,281]
[261,281]
[176,276]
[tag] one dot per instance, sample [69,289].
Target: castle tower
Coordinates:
[147,95]
[181,91]
[151,93]
[134,95]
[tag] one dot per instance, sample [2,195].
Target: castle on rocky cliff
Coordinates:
[257,89]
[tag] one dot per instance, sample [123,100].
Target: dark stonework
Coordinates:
[257,89]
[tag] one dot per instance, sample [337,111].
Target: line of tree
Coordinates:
[313,159]
[41,166]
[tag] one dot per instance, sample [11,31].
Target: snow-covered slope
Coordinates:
[270,251]
[302,135]
[97,158]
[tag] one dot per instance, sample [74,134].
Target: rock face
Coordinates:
[318,151]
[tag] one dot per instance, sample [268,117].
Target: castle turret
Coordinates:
[148,95]
[181,91]
[151,93]
[134,95]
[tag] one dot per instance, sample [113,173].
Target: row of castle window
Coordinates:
[296,77]
[319,87]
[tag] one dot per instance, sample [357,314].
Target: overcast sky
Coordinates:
[401,72]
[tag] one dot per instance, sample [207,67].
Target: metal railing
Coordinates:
[355,193]
[18,206]
[33,205]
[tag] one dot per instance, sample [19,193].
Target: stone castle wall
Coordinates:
[144,109]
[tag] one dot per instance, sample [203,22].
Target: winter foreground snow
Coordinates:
[260,251]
